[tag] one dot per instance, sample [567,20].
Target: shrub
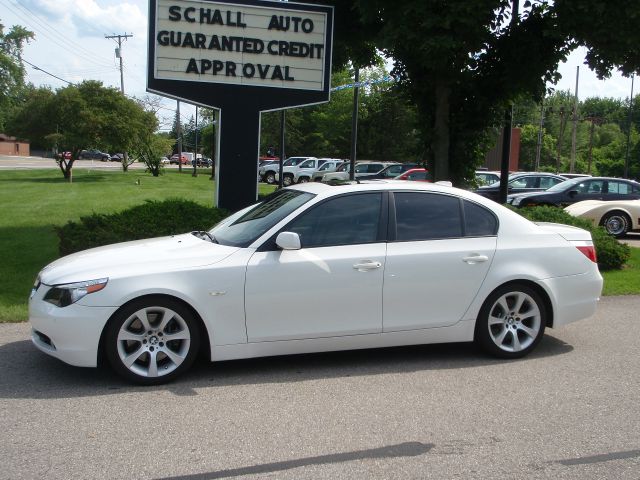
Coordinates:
[151,219]
[611,253]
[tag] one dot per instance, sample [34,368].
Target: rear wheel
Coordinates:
[287,180]
[152,340]
[511,321]
[616,224]
[303,179]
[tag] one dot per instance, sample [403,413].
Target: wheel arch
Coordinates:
[539,289]
[205,346]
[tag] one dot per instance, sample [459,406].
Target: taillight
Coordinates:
[589,251]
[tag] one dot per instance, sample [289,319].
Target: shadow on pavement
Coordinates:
[29,373]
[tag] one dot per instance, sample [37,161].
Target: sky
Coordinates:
[70,43]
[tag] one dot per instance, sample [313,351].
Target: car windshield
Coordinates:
[244,227]
[566,185]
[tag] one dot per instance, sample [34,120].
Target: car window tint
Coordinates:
[307,164]
[619,187]
[346,220]
[427,216]
[478,221]
[374,167]
[417,176]
[520,182]
[393,171]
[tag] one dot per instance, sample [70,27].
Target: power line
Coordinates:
[44,71]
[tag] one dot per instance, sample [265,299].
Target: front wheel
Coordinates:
[152,340]
[270,178]
[511,321]
[616,224]
[287,180]
[303,179]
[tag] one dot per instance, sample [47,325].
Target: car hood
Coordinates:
[529,194]
[141,256]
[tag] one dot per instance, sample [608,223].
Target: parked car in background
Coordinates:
[305,172]
[579,189]
[117,157]
[292,172]
[487,275]
[485,177]
[268,172]
[415,175]
[94,154]
[388,172]
[175,159]
[164,161]
[618,217]
[327,167]
[521,183]
[363,167]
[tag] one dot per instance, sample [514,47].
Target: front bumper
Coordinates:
[71,334]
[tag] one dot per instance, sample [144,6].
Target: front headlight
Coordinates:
[68,293]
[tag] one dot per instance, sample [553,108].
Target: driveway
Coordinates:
[569,411]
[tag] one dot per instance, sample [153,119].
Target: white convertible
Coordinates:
[395,263]
[618,217]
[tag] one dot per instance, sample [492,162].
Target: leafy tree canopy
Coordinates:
[11,67]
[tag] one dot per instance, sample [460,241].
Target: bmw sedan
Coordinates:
[578,190]
[400,263]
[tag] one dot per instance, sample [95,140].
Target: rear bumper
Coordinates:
[574,297]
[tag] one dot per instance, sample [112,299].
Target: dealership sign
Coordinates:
[242,57]
[241,46]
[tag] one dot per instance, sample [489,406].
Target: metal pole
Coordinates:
[572,165]
[282,123]
[179,139]
[626,159]
[539,145]
[354,126]
[195,151]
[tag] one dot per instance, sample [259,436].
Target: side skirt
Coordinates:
[460,332]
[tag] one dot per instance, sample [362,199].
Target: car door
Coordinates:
[330,287]
[585,190]
[439,253]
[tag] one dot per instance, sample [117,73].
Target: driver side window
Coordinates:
[348,220]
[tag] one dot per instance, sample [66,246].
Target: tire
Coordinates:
[136,342]
[303,179]
[616,224]
[270,178]
[511,321]
[287,180]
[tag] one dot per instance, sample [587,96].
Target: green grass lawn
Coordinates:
[34,201]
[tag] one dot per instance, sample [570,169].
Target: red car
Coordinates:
[415,175]
[174,159]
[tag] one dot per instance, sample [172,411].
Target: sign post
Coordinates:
[242,57]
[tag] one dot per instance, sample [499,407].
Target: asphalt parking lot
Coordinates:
[570,410]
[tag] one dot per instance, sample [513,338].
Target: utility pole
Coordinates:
[195,151]
[506,129]
[118,39]
[575,125]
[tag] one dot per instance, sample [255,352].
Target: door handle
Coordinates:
[367,265]
[473,259]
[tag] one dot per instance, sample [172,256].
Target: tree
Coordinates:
[150,148]
[11,68]
[464,62]
[82,116]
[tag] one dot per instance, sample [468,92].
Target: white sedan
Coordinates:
[618,217]
[396,263]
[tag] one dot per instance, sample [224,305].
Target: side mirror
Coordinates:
[288,241]
[573,193]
